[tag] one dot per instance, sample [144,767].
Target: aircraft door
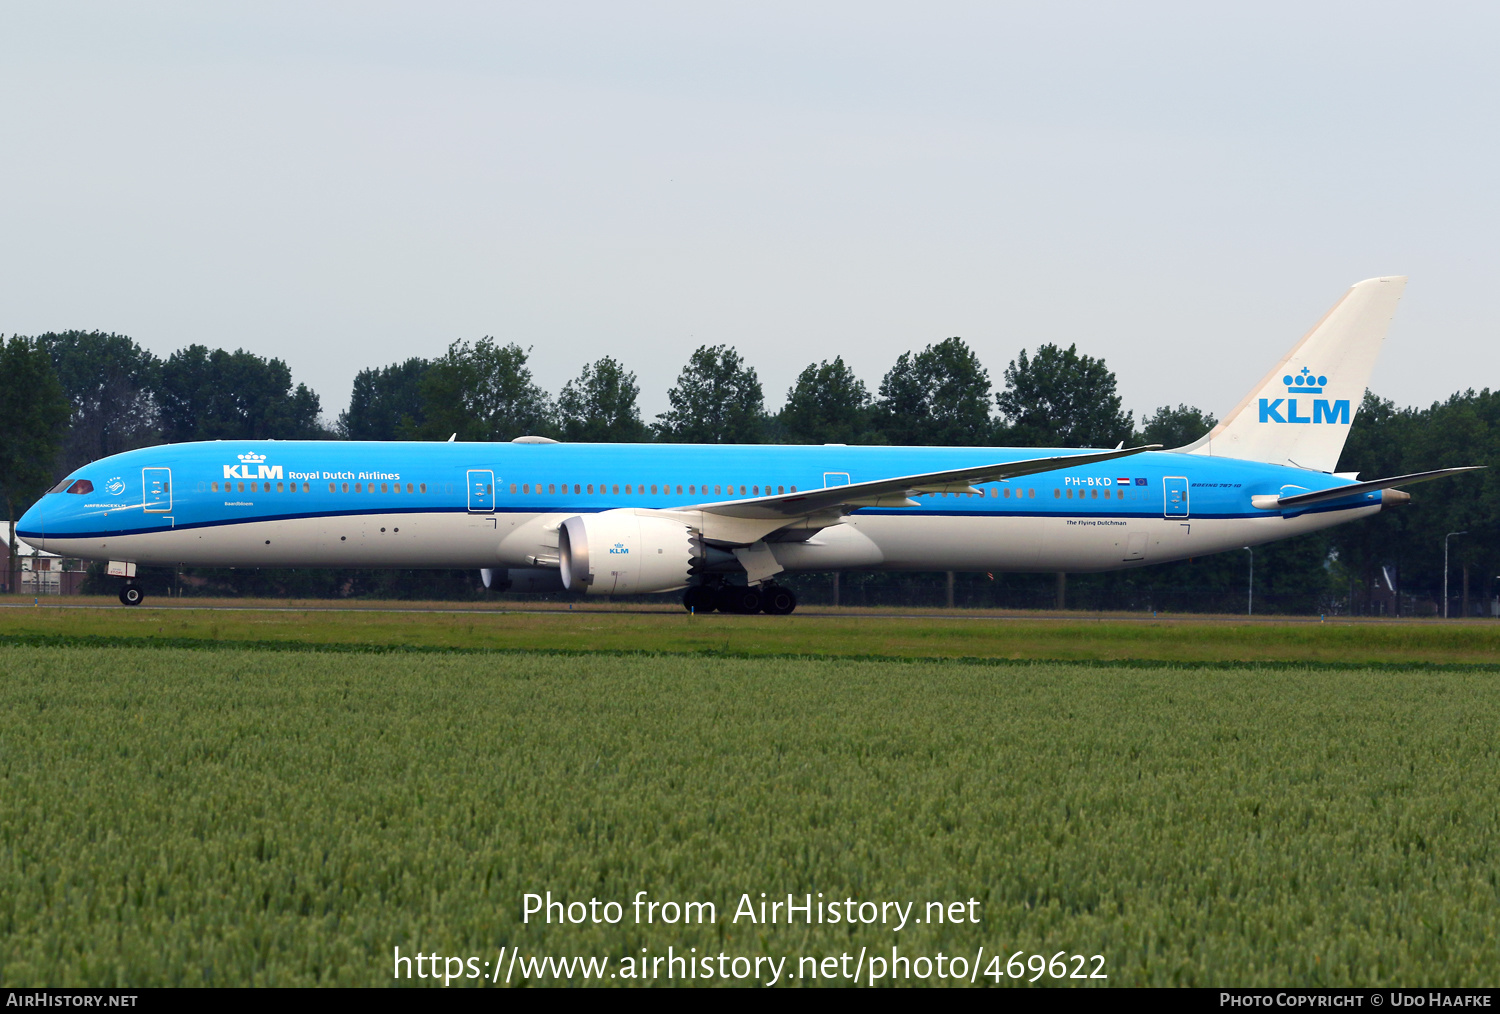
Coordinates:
[481,491]
[156,484]
[1176,489]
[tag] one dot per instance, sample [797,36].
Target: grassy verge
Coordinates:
[675,632]
[231,817]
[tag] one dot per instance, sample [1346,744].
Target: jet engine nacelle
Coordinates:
[622,552]
[527,580]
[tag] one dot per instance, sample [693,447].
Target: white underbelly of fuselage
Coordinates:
[364,540]
[1072,544]
[873,542]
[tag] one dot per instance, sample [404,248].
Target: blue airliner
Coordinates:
[723,521]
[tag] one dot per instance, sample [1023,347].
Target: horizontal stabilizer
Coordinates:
[894,492]
[1354,489]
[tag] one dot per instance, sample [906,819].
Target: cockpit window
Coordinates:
[81,486]
[60,486]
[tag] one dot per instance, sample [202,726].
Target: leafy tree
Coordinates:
[1175,427]
[717,400]
[940,395]
[386,403]
[1062,399]
[483,391]
[33,417]
[599,405]
[211,394]
[109,380]
[1385,441]
[827,405]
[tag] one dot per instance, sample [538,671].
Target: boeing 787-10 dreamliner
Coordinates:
[723,521]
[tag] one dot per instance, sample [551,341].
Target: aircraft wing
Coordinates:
[897,491]
[1339,492]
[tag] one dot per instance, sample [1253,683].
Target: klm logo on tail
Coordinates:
[1324,410]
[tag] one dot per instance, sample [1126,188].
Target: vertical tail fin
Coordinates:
[1300,413]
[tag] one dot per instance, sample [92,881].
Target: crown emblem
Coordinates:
[1305,382]
[251,458]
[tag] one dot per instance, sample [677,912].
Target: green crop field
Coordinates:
[227,816]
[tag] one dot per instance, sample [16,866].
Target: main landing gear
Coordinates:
[131,595]
[769,598]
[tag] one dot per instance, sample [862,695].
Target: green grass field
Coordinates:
[172,816]
[844,633]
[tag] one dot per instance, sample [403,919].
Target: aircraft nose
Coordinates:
[31,529]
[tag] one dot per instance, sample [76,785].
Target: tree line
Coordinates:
[942,395]
[72,397]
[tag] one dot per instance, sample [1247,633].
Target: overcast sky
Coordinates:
[1182,189]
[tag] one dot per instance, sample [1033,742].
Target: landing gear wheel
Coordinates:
[131,595]
[698,599]
[776,600]
[739,598]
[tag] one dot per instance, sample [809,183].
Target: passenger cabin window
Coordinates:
[423,487]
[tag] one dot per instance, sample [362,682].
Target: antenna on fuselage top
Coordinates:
[453,438]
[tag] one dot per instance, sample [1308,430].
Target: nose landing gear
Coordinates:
[131,595]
